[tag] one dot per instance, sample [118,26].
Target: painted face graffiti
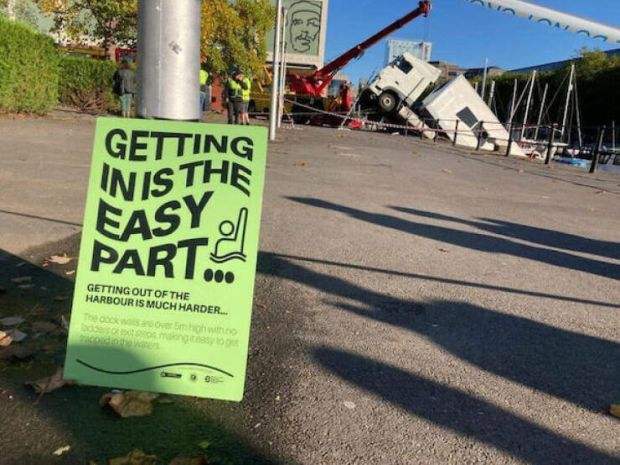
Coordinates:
[304,26]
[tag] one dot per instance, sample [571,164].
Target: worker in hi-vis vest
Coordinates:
[204,91]
[245,97]
[233,95]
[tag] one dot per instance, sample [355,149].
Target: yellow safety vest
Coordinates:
[235,89]
[204,77]
[245,93]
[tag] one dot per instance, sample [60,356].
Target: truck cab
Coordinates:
[402,82]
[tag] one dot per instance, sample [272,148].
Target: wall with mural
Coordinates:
[306,27]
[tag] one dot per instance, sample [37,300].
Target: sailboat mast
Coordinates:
[529,102]
[568,96]
[541,111]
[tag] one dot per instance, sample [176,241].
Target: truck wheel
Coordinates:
[387,102]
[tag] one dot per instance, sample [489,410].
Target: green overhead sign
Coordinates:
[163,296]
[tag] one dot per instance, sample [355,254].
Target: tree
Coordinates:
[592,62]
[105,22]
[234,33]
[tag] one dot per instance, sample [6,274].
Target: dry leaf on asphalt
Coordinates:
[61,450]
[49,384]
[17,351]
[130,403]
[11,321]
[59,259]
[16,335]
[5,339]
[135,457]
[615,410]
[182,460]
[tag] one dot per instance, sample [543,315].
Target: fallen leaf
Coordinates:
[300,164]
[22,280]
[61,450]
[17,351]
[5,339]
[615,410]
[204,444]
[446,171]
[43,327]
[69,273]
[16,335]
[59,259]
[135,457]
[130,403]
[181,460]
[348,404]
[443,250]
[11,321]
[51,383]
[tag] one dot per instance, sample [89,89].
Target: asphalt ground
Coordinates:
[418,304]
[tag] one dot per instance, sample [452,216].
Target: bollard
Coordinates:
[456,132]
[510,140]
[597,149]
[550,144]
[480,130]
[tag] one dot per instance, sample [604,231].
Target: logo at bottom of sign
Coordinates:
[193,372]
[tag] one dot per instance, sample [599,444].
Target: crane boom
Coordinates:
[553,18]
[314,84]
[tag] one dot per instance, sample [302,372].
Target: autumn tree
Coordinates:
[106,22]
[234,33]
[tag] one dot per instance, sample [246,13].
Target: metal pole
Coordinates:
[169,59]
[510,140]
[550,144]
[542,109]
[527,105]
[613,136]
[10,9]
[456,132]
[275,73]
[568,95]
[282,75]
[480,129]
[484,78]
[597,149]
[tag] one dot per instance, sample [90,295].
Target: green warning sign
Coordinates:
[163,296]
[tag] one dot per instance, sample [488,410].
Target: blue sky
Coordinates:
[462,33]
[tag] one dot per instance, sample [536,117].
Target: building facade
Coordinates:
[419,49]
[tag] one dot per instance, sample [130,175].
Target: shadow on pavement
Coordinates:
[72,415]
[577,368]
[542,236]
[455,282]
[473,241]
[458,411]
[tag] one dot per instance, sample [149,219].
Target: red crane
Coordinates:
[315,84]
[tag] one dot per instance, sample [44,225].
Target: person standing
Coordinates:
[125,87]
[245,99]
[233,95]
[204,78]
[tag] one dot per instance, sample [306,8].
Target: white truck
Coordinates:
[399,85]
